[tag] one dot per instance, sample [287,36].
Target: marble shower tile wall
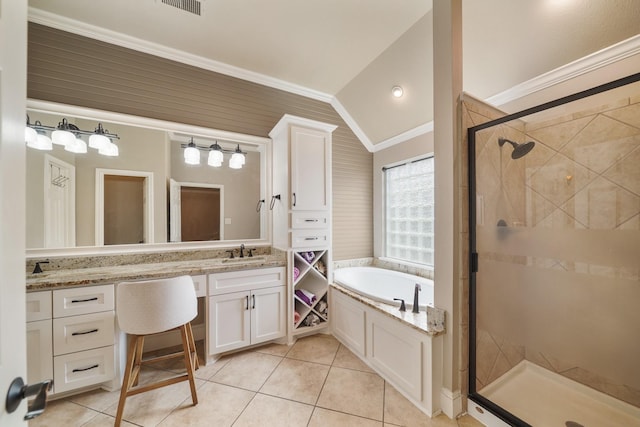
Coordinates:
[583,174]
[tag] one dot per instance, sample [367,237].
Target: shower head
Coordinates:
[519,150]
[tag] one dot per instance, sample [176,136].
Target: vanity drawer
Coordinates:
[39,306]
[309,238]
[84,368]
[309,220]
[244,280]
[89,299]
[84,332]
[200,283]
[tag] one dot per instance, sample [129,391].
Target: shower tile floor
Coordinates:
[316,382]
[543,398]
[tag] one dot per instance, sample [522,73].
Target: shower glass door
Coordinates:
[555,269]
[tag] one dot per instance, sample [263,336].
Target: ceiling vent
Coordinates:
[191,6]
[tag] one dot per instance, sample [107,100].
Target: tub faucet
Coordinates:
[402,306]
[416,307]
[242,250]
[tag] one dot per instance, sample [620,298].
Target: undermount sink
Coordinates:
[243,260]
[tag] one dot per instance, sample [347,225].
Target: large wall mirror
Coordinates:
[147,194]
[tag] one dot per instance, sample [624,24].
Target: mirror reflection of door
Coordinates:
[200,213]
[123,209]
[59,203]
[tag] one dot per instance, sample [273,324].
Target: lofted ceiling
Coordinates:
[351,53]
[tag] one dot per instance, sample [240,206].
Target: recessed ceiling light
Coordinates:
[397,91]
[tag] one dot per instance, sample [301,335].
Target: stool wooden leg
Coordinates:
[126,382]
[188,358]
[137,360]
[196,361]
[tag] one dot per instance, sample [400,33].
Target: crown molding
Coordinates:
[584,65]
[91,31]
[364,139]
[405,136]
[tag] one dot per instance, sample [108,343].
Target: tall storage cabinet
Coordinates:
[302,216]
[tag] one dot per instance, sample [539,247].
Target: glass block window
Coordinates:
[408,211]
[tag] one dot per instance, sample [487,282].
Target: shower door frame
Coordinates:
[473,394]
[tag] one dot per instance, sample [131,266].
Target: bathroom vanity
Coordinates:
[72,333]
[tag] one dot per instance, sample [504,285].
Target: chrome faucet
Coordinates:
[416,307]
[242,250]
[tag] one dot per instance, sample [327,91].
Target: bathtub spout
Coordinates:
[402,306]
[416,307]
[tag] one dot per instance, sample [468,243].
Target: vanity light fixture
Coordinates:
[69,136]
[397,91]
[216,155]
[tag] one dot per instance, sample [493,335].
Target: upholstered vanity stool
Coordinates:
[150,307]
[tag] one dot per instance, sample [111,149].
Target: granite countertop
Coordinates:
[65,278]
[417,321]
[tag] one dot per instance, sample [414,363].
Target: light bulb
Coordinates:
[62,137]
[110,150]
[98,141]
[44,142]
[215,158]
[397,91]
[191,154]
[77,146]
[30,136]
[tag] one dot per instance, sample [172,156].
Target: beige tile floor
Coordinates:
[316,382]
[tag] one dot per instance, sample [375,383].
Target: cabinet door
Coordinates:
[229,317]
[268,314]
[39,351]
[309,166]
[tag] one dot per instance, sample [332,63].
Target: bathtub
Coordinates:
[384,285]
[398,346]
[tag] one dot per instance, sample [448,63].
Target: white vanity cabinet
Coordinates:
[71,336]
[302,216]
[39,338]
[302,180]
[246,307]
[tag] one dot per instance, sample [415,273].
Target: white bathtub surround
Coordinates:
[397,345]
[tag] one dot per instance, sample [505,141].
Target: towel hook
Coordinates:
[259,205]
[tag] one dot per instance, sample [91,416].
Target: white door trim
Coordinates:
[148,202]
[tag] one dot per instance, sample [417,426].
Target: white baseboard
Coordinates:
[451,403]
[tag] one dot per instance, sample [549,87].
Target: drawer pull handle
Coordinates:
[92,331]
[84,300]
[85,369]
[310,220]
[310,238]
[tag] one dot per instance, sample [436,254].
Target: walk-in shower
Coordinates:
[554,260]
